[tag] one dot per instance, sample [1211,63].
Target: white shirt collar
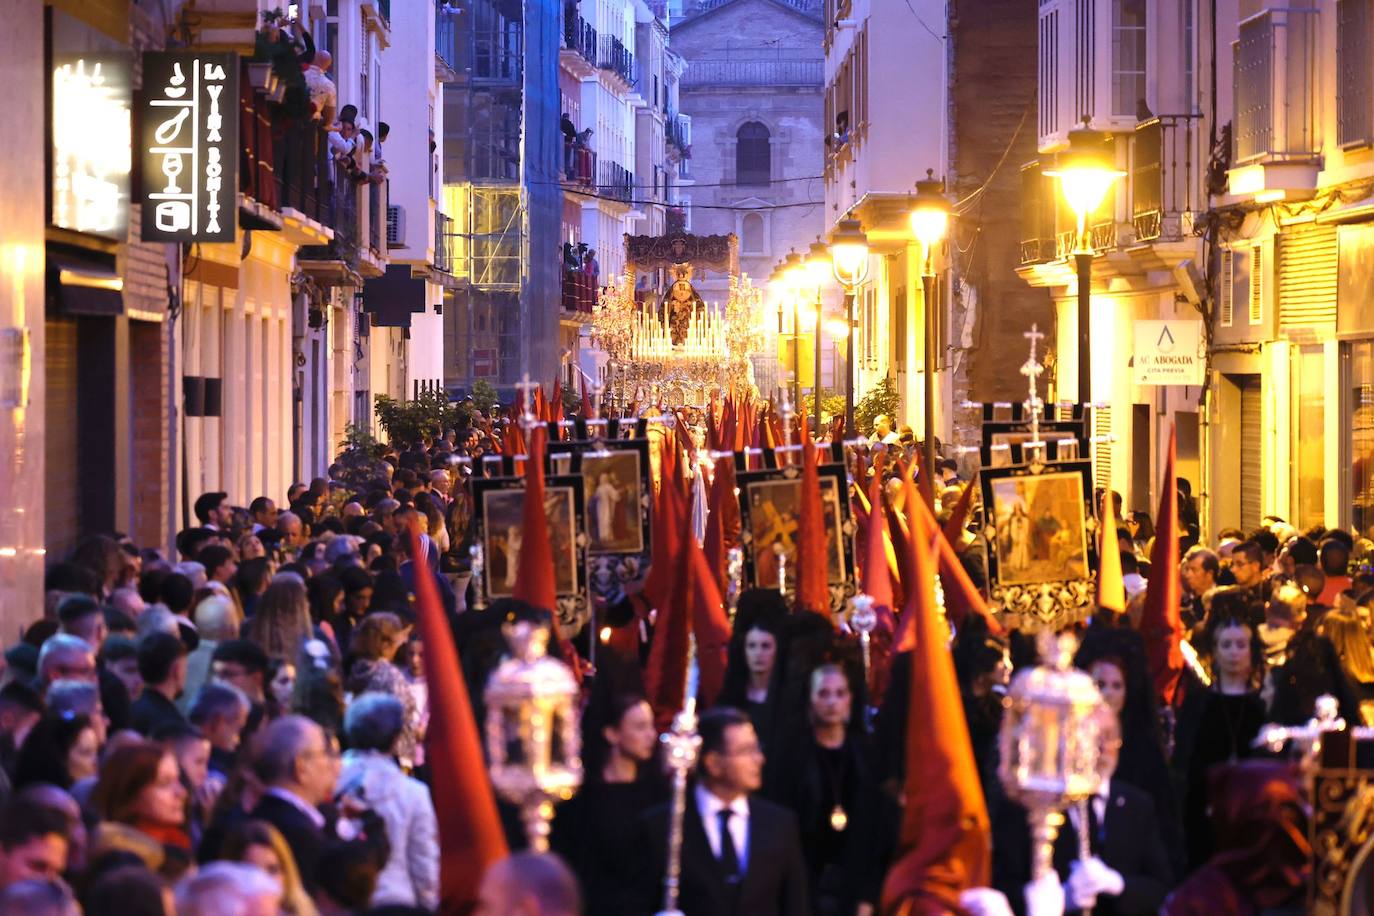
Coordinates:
[291,798]
[710,805]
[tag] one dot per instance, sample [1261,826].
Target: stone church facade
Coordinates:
[754,89]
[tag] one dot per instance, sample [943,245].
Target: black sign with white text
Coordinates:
[188,146]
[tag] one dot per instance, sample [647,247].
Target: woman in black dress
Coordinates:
[595,831]
[752,672]
[1218,724]
[827,780]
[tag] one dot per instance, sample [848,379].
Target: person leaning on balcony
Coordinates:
[569,142]
[324,96]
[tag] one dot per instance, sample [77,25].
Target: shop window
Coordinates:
[1309,440]
[1360,422]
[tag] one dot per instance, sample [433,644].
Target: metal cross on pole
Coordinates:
[1031,369]
[527,387]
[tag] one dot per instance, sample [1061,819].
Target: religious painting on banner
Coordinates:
[500,506]
[770,509]
[612,484]
[1040,560]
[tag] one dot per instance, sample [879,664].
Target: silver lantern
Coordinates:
[533,738]
[1051,743]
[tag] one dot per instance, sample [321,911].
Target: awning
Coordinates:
[393,297]
[85,285]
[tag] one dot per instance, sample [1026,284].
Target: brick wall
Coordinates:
[150,418]
[992,89]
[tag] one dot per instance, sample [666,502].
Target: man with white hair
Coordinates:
[217,620]
[529,884]
[298,767]
[292,532]
[193,571]
[64,656]
[127,600]
[229,889]
[440,482]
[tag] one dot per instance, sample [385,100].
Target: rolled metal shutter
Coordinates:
[1307,280]
[1251,453]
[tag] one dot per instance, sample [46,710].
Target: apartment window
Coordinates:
[1309,439]
[753,154]
[1186,16]
[1358,378]
[1049,72]
[1354,72]
[1128,57]
[1085,58]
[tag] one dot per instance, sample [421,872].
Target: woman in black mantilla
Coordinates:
[595,830]
[826,778]
[752,672]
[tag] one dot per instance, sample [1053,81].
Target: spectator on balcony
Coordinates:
[378,157]
[569,142]
[590,267]
[324,95]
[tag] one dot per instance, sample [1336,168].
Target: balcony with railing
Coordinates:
[1037,215]
[447,36]
[1165,172]
[679,133]
[445,247]
[579,164]
[579,291]
[616,182]
[580,40]
[617,58]
[1275,146]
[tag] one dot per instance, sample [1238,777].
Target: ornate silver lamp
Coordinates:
[734,568]
[479,566]
[1051,743]
[533,740]
[864,620]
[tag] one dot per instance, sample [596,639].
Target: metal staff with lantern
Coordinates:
[1051,744]
[533,739]
[683,744]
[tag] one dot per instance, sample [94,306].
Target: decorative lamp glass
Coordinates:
[849,253]
[533,736]
[1086,172]
[930,214]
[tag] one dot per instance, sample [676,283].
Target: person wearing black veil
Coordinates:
[823,772]
[595,830]
[982,664]
[754,669]
[1115,659]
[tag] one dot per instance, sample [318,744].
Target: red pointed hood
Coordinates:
[1161,624]
[470,834]
[724,524]
[813,592]
[958,516]
[945,843]
[534,582]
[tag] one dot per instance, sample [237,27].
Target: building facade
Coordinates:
[873,159]
[1132,69]
[501,157]
[753,89]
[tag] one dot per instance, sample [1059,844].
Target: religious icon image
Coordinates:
[775,519]
[503,521]
[681,304]
[1040,532]
[611,483]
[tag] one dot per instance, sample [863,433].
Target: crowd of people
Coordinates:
[241,726]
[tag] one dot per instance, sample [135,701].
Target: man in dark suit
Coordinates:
[298,767]
[1129,872]
[162,665]
[741,856]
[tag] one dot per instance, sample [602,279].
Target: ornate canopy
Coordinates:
[708,252]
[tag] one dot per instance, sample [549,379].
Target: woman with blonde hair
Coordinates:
[281,622]
[259,843]
[1356,651]
[371,668]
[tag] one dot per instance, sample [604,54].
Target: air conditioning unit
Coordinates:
[395,226]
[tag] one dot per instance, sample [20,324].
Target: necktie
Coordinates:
[729,856]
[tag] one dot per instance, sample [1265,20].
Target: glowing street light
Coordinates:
[1086,172]
[929,223]
[849,262]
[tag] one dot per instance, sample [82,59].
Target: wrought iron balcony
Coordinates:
[1037,215]
[579,291]
[615,181]
[616,58]
[1165,169]
[579,36]
[579,164]
[444,247]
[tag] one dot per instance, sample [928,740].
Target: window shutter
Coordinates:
[1225,291]
[1256,283]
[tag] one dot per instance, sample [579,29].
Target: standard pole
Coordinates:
[928,293]
[796,354]
[849,363]
[816,380]
[1084,262]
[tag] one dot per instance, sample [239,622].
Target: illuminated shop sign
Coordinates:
[188,138]
[91,100]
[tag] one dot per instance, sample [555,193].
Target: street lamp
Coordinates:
[929,223]
[818,268]
[793,277]
[849,262]
[1086,172]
